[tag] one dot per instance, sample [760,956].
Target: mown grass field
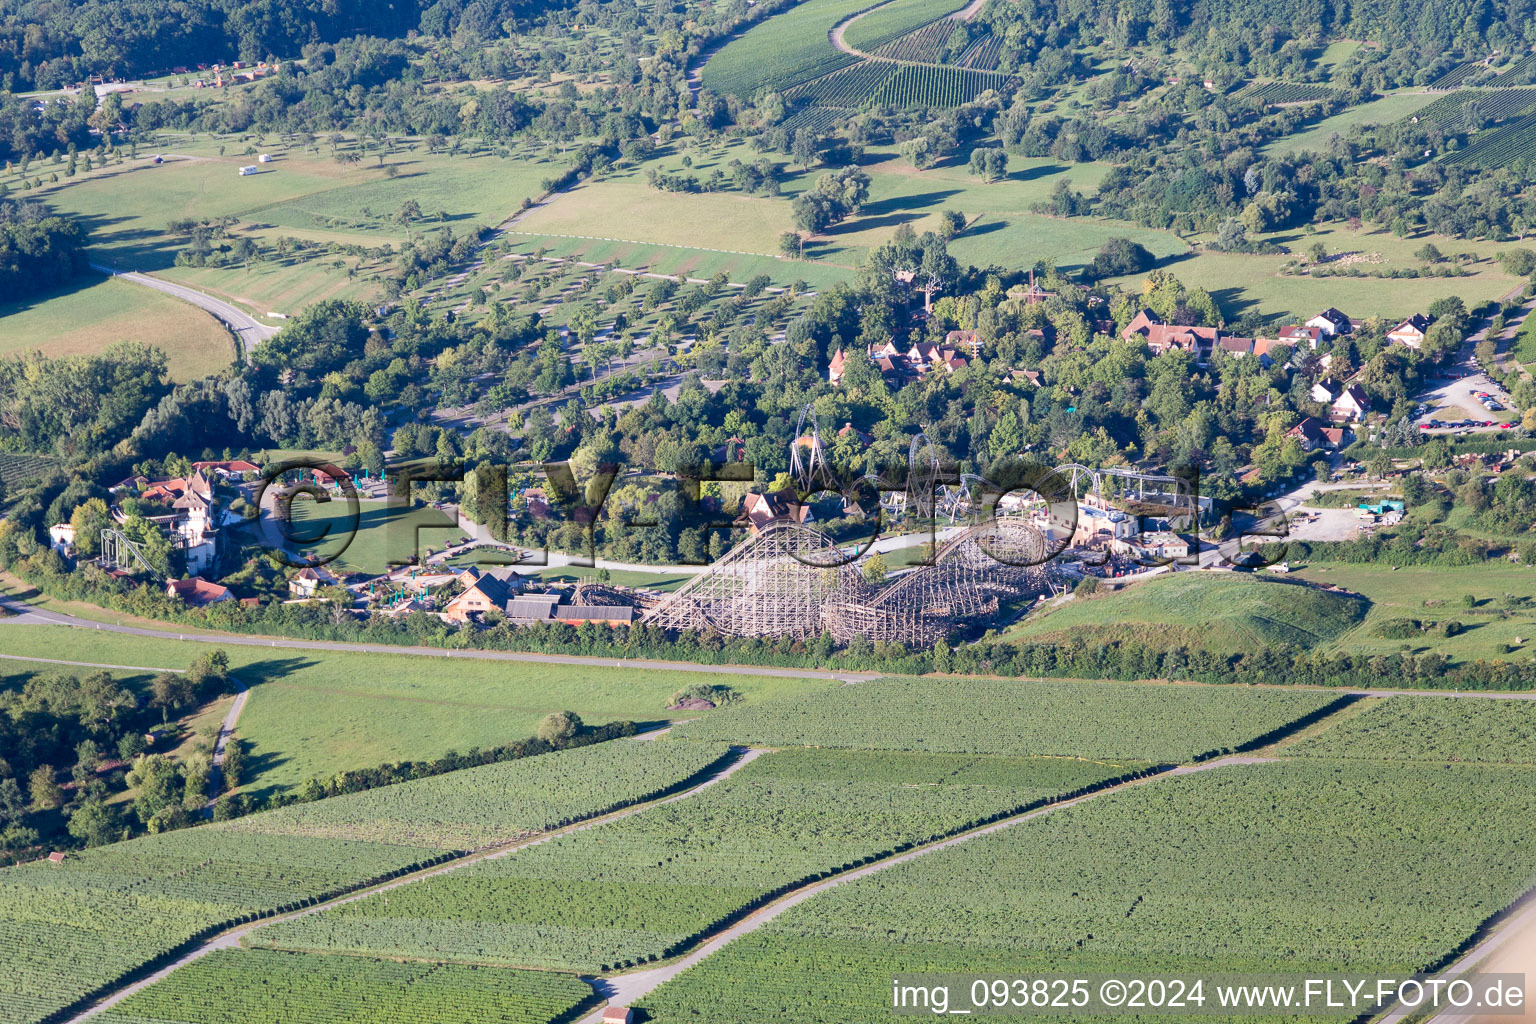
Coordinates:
[1225,612]
[1386,110]
[1435,593]
[386,534]
[314,713]
[1243,283]
[98,311]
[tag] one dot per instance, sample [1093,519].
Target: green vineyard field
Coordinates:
[1432,729]
[68,930]
[849,87]
[263,987]
[783,51]
[1100,720]
[1212,872]
[893,20]
[1287,92]
[935,86]
[1499,147]
[650,885]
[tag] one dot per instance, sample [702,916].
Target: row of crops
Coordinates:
[1467,109]
[264,987]
[1100,720]
[1366,868]
[818,120]
[928,85]
[69,930]
[1458,75]
[848,87]
[650,885]
[19,470]
[931,45]
[1432,729]
[783,51]
[893,20]
[1499,147]
[1273,93]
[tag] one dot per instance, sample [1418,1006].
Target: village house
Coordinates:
[491,589]
[759,511]
[532,609]
[969,341]
[1298,335]
[1158,545]
[306,583]
[1332,322]
[1150,329]
[835,367]
[197,591]
[1325,391]
[1351,405]
[1314,435]
[1411,331]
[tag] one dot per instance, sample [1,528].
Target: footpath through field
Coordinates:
[624,989]
[231,938]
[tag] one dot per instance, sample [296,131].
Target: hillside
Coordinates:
[1219,612]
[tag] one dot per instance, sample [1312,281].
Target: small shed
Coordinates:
[618,1015]
[56,857]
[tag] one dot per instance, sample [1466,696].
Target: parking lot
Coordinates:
[1455,401]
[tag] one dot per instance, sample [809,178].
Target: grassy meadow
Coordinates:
[315,713]
[98,311]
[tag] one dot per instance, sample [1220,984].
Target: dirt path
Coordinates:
[835,35]
[625,989]
[232,938]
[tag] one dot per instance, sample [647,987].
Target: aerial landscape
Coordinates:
[565,511]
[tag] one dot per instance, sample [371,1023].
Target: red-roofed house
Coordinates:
[1351,405]
[1313,435]
[197,591]
[761,510]
[835,367]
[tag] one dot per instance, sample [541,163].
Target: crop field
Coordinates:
[1431,729]
[816,119]
[264,987]
[935,86]
[893,20]
[925,45]
[1276,93]
[17,469]
[648,886]
[1212,872]
[316,713]
[1450,112]
[1453,78]
[1219,612]
[848,87]
[1016,718]
[1498,147]
[477,807]
[785,50]
[68,929]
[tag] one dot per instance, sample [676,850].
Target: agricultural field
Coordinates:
[650,885]
[85,319]
[933,86]
[1017,718]
[1498,147]
[1217,871]
[1224,612]
[888,22]
[1283,93]
[1451,111]
[312,714]
[1430,729]
[17,468]
[783,51]
[1436,594]
[263,987]
[69,929]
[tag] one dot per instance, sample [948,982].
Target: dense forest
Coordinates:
[39,251]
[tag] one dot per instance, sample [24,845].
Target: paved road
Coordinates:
[1482,958]
[246,327]
[231,939]
[625,989]
[25,614]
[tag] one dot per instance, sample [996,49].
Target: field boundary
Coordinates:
[228,933]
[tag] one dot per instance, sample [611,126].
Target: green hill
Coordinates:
[1227,612]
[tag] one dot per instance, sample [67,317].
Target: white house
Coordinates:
[1351,405]
[1411,331]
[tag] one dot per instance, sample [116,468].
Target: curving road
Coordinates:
[250,331]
